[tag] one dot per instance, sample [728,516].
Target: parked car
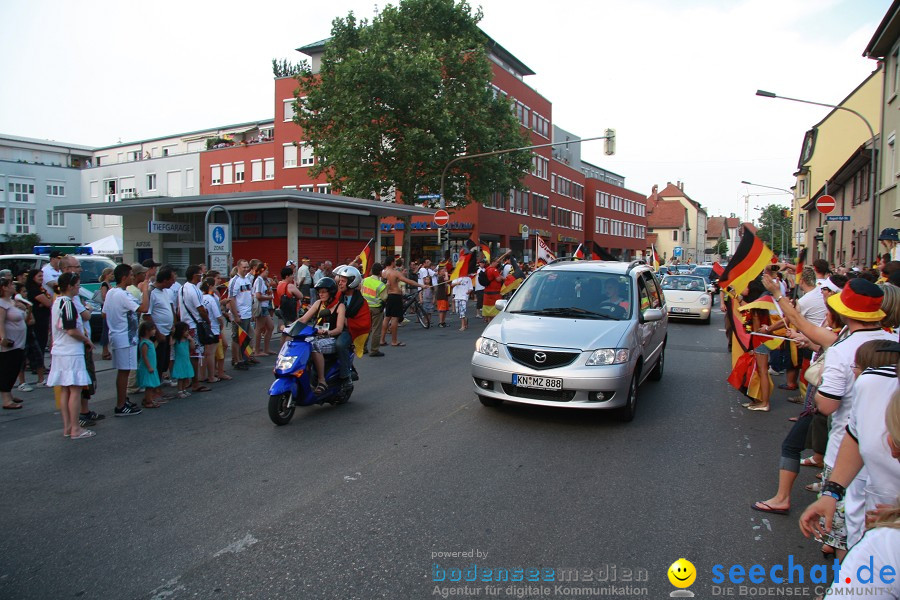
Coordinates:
[91,268]
[688,297]
[576,334]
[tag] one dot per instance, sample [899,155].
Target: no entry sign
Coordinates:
[441,218]
[825,204]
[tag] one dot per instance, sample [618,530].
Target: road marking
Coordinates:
[238,546]
[353,477]
[166,590]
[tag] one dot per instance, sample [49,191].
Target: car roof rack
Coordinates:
[564,259]
[634,264]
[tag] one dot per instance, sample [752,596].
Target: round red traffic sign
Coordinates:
[825,204]
[441,218]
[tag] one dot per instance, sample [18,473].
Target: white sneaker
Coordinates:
[774,372]
[24,387]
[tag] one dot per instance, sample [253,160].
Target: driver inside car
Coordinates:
[611,287]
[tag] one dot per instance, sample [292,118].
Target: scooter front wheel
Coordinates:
[280,409]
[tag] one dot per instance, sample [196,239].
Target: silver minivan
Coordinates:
[576,334]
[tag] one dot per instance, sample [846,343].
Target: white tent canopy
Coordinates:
[111,244]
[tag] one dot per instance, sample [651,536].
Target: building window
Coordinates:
[21,192]
[189,178]
[675,236]
[895,59]
[539,166]
[307,188]
[324,188]
[56,219]
[307,157]
[290,156]
[497,201]
[110,188]
[239,172]
[553,182]
[540,206]
[151,182]
[56,189]
[227,173]
[578,191]
[540,125]
[518,202]
[270,168]
[255,170]
[22,220]
[289,110]
[216,175]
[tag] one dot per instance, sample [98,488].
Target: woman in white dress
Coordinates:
[68,369]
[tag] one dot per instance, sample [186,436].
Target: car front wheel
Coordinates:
[626,413]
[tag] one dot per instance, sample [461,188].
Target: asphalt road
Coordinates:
[206,498]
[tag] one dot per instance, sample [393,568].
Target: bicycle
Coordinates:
[411,300]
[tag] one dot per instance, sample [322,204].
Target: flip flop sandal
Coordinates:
[202,388]
[320,389]
[763,507]
[809,462]
[87,433]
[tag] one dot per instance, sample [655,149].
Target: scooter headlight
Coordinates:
[284,362]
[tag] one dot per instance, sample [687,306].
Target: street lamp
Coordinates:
[772,227]
[872,168]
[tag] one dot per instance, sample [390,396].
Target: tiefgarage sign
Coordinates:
[168,227]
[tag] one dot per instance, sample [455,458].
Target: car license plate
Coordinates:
[678,309]
[539,383]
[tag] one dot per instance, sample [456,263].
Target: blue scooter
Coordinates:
[295,376]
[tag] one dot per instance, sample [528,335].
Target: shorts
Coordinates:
[762,349]
[393,306]
[323,345]
[264,311]
[443,306]
[243,324]
[461,306]
[124,359]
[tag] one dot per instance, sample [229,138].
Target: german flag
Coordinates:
[801,262]
[486,252]
[749,260]
[656,261]
[601,254]
[365,259]
[579,253]
[462,267]
[514,279]
[718,269]
[244,342]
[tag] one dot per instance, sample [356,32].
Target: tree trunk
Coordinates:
[407,240]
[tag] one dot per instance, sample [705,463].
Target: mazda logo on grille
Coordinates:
[540,358]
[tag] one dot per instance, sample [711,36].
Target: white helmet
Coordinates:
[351,273]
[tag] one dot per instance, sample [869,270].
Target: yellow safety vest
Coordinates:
[371,289]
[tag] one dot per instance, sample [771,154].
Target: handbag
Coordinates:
[204,330]
[813,373]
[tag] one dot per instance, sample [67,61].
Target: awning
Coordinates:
[250,201]
[109,245]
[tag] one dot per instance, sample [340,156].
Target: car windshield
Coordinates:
[585,294]
[684,283]
[92,268]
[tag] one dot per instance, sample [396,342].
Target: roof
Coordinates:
[492,45]
[885,34]
[673,191]
[51,143]
[251,200]
[715,228]
[209,130]
[669,214]
[652,238]
[732,222]
[750,227]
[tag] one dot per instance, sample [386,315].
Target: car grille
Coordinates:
[525,356]
[531,394]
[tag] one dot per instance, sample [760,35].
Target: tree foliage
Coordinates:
[284,68]
[398,98]
[721,247]
[775,215]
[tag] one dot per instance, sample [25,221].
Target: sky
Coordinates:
[675,78]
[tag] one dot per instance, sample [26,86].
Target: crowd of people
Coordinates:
[833,334]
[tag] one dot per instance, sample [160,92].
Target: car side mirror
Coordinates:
[652,314]
[500,304]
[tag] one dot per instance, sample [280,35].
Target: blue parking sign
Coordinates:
[678,251]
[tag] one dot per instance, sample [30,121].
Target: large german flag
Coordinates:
[486,252]
[464,264]
[801,262]
[514,279]
[601,254]
[365,259]
[751,257]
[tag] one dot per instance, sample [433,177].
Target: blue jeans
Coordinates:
[342,348]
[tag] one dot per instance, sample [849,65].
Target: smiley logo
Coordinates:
[682,573]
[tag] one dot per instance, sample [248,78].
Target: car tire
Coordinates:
[490,402]
[626,413]
[657,373]
[708,319]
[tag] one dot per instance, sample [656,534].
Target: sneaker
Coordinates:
[24,387]
[774,372]
[93,416]
[127,410]
[169,382]
[86,422]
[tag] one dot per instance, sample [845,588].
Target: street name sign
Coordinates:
[837,218]
[825,204]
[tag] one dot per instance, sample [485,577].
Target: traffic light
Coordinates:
[820,234]
[439,231]
[610,142]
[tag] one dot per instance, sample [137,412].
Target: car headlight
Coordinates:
[608,356]
[487,346]
[284,362]
[704,300]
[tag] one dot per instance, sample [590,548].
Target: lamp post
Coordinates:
[872,168]
[772,227]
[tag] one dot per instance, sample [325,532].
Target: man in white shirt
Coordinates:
[240,299]
[190,302]
[426,274]
[461,288]
[820,266]
[303,278]
[121,312]
[811,305]
[161,313]
[51,272]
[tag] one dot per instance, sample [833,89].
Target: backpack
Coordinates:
[483,279]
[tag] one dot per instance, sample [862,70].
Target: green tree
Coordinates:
[721,247]
[396,99]
[22,243]
[772,222]
[284,68]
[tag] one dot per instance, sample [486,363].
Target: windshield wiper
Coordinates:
[568,311]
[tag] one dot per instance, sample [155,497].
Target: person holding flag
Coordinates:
[543,254]
[359,320]
[364,259]
[492,290]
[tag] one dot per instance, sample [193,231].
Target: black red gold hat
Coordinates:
[860,300]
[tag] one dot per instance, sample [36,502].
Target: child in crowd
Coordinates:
[182,371]
[440,296]
[428,302]
[461,288]
[147,373]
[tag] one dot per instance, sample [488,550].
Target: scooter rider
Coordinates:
[326,341]
[359,320]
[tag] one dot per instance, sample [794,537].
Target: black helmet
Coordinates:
[327,283]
